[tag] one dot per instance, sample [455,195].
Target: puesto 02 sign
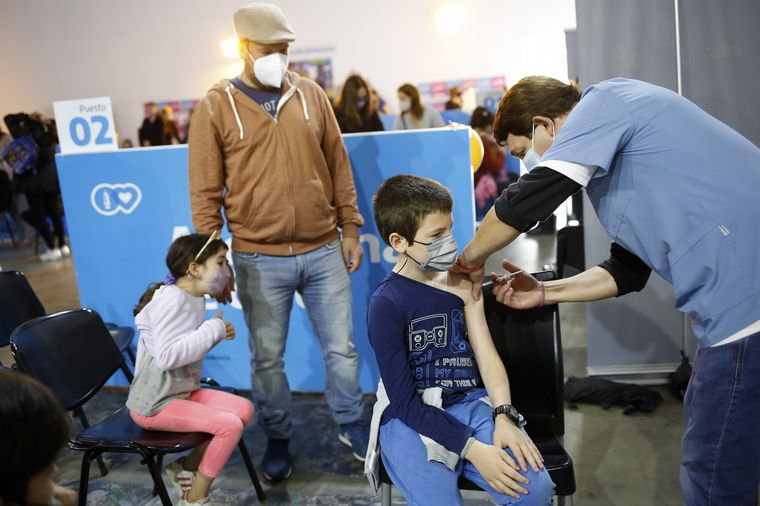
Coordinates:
[85,125]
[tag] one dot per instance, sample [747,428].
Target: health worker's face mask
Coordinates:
[531,158]
[218,280]
[270,69]
[404,105]
[442,253]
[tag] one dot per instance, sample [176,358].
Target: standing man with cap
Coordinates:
[266,148]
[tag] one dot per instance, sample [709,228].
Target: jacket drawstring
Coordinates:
[228,89]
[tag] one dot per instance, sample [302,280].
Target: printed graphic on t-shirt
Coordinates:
[440,354]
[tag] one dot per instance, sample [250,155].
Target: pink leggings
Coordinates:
[211,411]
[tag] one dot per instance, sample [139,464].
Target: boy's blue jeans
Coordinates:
[266,286]
[721,444]
[432,483]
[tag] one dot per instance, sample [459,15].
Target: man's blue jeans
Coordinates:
[266,286]
[721,444]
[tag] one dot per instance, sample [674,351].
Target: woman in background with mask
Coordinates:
[353,109]
[174,339]
[648,159]
[414,115]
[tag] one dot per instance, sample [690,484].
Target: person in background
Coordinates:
[487,176]
[377,104]
[151,132]
[34,429]
[40,183]
[455,99]
[414,115]
[265,152]
[126,144]
[171,130]
[353,109]
[10,202]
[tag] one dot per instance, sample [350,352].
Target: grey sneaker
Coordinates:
[355,435]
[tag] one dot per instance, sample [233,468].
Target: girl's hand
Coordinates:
[507,435]
[229,327]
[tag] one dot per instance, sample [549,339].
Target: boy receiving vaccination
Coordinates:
[443,406]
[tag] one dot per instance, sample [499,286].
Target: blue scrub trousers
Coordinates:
[721,445]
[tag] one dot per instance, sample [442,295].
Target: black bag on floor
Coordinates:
[608,393]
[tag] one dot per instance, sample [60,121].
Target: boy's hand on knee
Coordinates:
[507,435]
[497,468]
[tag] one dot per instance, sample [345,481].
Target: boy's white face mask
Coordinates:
[270,69]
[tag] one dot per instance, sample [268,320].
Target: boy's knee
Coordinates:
[540,488]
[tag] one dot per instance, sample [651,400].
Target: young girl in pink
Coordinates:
[174,339]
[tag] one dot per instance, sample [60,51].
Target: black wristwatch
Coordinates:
[511,412]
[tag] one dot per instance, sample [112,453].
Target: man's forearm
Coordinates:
[592,284]
[492,236]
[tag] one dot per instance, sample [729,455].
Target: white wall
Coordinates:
[139,50]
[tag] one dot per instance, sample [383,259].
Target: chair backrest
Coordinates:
[529,343]
[18,304]
[72,352]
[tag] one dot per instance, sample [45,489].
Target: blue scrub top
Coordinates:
[679,189]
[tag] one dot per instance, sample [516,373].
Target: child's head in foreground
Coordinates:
[413,215]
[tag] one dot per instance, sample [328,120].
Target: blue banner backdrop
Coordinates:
[124,208]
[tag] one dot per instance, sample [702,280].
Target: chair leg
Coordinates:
[84,477]
[564,500]
[160,463]
[385,494]
[155,473]
[86,424]
[251,470]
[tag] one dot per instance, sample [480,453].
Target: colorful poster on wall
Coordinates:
[319,70]
[436,93]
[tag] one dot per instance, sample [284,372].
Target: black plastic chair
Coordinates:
[72,352]
[19,303]
[529,343]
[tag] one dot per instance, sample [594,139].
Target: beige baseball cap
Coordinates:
[262,23]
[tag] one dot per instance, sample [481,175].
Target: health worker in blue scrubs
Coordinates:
[679,193]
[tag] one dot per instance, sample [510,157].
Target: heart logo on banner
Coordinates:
[109,199]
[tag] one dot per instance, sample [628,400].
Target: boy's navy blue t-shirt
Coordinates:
[267,99]
[419,336]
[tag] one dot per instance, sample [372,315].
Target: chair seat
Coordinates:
[122,336]
[119,431]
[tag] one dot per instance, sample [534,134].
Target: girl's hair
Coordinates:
[354,117]
[34,429]
[413,93]
[181,254]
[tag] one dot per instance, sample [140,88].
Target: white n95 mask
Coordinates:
[270,69]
